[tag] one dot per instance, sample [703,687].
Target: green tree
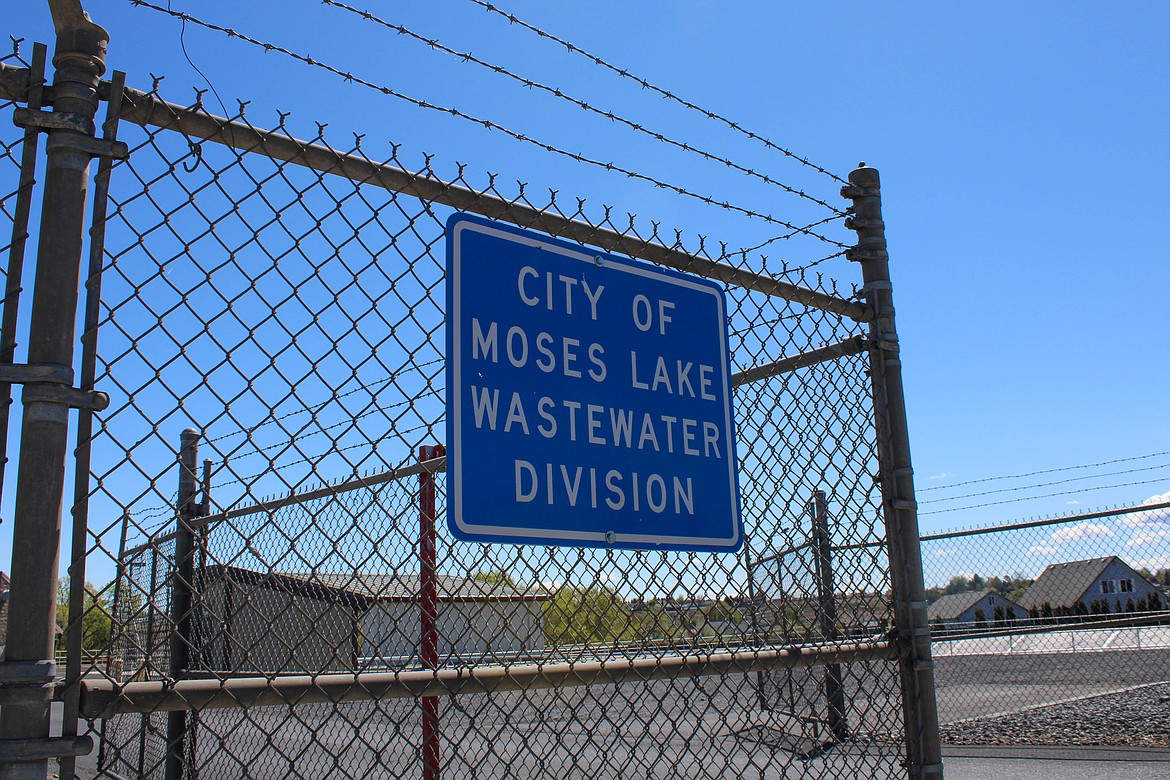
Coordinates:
[723,611]
[594,615]
[494,578]
[96,622]
[655,621]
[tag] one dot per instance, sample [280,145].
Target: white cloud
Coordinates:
[1147,535]
[947,553]
[1153,564]
[1080,531]
[1043,549]
[1074,502]
[941,475]
[1151,516]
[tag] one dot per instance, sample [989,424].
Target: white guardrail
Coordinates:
[1085,640]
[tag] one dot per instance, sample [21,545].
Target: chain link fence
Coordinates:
[1054,632]
[261,496]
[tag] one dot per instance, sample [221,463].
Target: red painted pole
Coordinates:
[428,609]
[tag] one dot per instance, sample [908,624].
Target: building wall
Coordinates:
[247,627]
[988,604]
[1118,572]
[391,629]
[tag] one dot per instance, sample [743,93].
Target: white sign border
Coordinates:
[455,453]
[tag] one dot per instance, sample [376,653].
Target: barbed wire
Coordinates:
[626,74]
[489,124]
[1036,521]
[374,390]
[1045,471]
[1046,484]
[246,481]
[743,251]
[1045,495]
[610,115]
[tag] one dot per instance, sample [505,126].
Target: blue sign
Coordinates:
[588,397]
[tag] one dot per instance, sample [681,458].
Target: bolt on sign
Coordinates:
[588,397]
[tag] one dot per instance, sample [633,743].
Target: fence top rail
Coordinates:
[433,466]
[147,109]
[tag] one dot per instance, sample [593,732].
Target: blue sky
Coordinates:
[1023,149]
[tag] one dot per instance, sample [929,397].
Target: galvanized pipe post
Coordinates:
[920,712]
[181,585]
[827,608]
[429,608]
[36,537]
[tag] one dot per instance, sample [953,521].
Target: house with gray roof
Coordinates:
[1093,586]
[973,608]
[312,622]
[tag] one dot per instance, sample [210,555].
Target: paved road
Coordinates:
[706,727]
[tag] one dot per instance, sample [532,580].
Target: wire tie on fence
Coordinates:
[904,471]
[903,503]
[196,151]
[922,665]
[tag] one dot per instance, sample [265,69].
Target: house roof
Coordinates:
[364,590]
[952,605]
[1063,584]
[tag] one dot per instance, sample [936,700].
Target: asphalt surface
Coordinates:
[688,727]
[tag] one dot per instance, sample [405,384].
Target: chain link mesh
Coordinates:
[293,317]
[1054,632]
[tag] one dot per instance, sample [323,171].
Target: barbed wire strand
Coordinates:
[1045,471]
[1045,495]
[626,74]
[490,125]
[556,92]
[373,390]
[1047,484]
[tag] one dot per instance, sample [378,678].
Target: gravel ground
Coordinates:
[1138,717]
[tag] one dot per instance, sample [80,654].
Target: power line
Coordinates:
[556,92]
[1046,484]
[626,74]
[1044,471]
[1046,495]
[490,125]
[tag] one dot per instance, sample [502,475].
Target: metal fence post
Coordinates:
[14,276]
[79,61]
[924,754]
[428,608]
[181,580]
[827,603]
